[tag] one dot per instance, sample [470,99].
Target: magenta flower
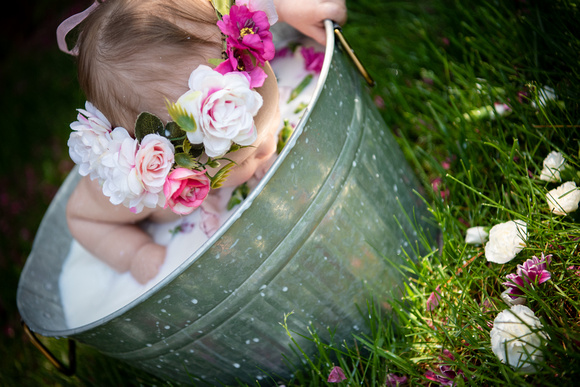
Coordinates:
[336,375]
[433,300]
[379,101]
[239,60]
[445,375]
[312,59]
[533,271]
[437,184]
[575,268]
[247,30]
[394,380]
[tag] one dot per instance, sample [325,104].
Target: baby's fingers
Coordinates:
[334,10]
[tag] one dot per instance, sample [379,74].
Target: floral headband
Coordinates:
[166,165]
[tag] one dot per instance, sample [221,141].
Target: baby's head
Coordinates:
[134,55]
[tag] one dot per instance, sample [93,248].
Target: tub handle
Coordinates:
[350,52]
[72,363]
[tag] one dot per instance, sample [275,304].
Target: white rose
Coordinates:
[553,165]
[120,181]
[153,161]
[545,94]
[476,235]
[505,241]
[564,199]
[516,338]
[224,107]
[89,139]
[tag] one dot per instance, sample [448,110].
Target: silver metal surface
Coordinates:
[322,232]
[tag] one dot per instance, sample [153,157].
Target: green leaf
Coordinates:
[300,107]
[148,123]
[196,150]
[235,147]
[222,6]
[173,131]
[238,195]
[215,61]
[212,163]
[220,177]
[186,145]
[284,135]
[185,120]
[301,86]
[185,160]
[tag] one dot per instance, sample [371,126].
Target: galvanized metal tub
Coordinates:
[321,233]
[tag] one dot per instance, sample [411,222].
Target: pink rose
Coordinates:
[154,161]
[185,190]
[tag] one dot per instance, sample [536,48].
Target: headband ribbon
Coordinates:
[67,25]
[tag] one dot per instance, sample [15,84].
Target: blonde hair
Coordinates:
[135,53]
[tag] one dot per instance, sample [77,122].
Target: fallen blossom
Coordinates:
[553,164]
[501,108]
[433,300]
[564,199]
[313,59]
[476,235]
[445,374]
[531,272]
[437,185]
[545,94]
[379,101]
[505,241]
[576,269]
[394,380]
[516,338]
[336,375]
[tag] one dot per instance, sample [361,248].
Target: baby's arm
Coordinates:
[307,16]
[111,232]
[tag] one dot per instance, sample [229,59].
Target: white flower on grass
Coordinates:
[564,199]
[506,240]
[554,163]
[545,94]
[516,338]
[476,235]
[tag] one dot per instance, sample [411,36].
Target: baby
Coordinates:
[201,75]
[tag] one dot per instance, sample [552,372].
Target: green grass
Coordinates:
[447,64]
[440,66]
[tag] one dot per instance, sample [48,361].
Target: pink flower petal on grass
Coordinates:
[336,375]
[433,300]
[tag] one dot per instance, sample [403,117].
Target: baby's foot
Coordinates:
[147,262]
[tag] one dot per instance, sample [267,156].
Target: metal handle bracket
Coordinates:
[350,52]
[66,370]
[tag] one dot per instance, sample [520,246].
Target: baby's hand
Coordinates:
[147,262]
[307,16]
